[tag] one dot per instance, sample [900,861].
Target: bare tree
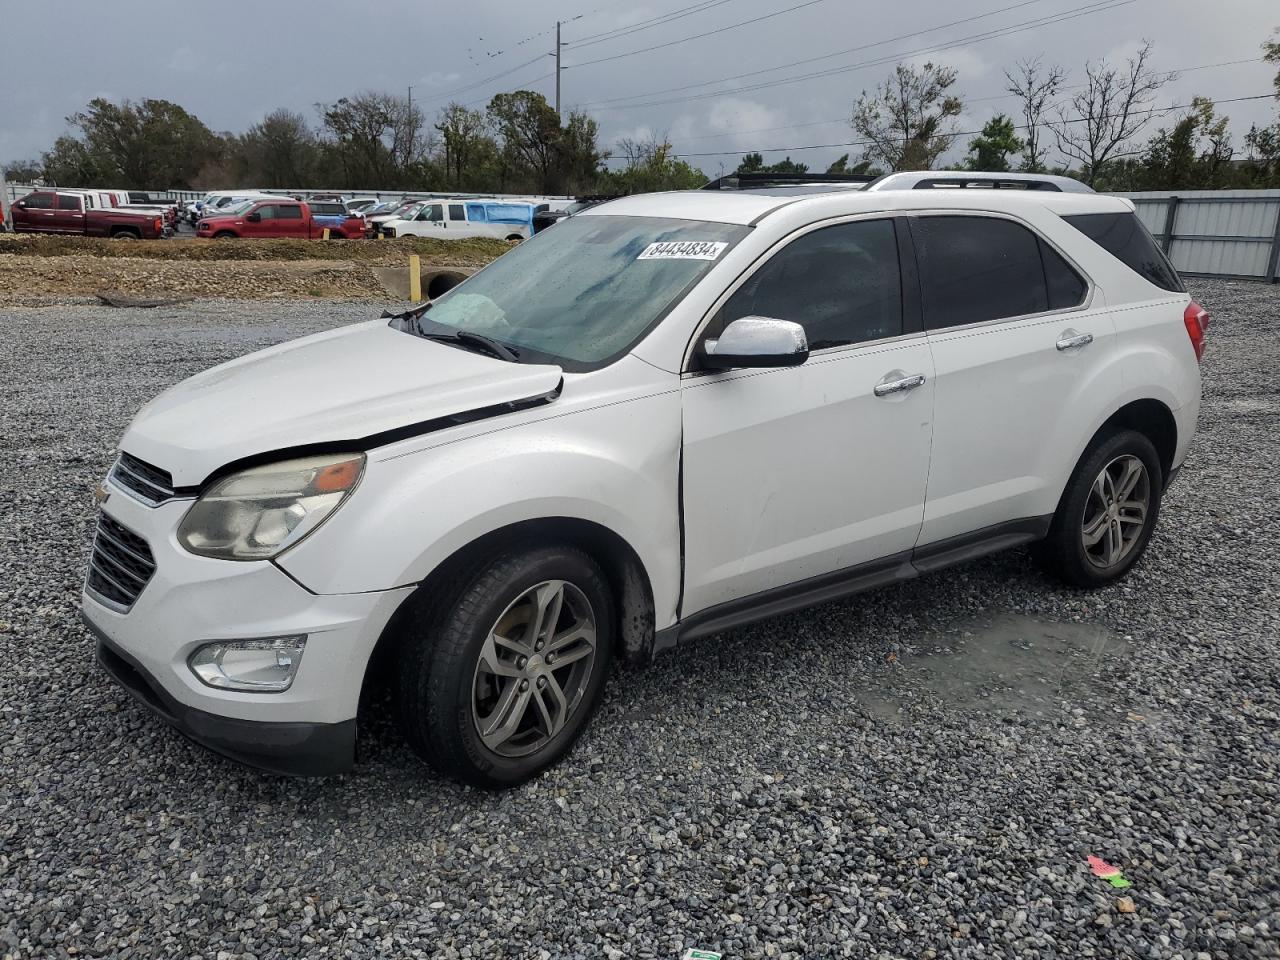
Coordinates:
[906,121]
[1100,122]
[1035,85]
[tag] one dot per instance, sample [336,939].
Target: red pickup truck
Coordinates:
[277,218]
[50,211]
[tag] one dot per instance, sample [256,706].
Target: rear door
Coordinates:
[69,213]
[290,221]
[806,472]
[1016,342]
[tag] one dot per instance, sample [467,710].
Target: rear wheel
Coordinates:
[125,235]
[1107,513]
[499,679]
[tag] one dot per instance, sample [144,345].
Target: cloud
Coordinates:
[964,60]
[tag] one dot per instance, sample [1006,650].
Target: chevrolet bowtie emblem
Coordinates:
[100,493]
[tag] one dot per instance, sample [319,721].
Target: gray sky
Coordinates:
[232,61]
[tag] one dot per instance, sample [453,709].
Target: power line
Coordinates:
[825,56]
[956,133]
[1099,6]
[670,16]
[1002,96]
[698,36]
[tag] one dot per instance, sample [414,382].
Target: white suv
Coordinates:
[671,415]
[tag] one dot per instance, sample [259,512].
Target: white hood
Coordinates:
[341,385]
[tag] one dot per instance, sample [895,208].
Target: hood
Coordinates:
[343,385]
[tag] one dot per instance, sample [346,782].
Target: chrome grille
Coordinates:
[149,484]
[120,565]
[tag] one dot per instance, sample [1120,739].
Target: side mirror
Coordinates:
[21,204]
[254,218]
[757,342]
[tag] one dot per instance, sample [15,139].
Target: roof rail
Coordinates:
[961,179]
[750,181]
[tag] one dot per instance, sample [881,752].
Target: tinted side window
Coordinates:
[457,212]
[975,269]
[39,201]
[841,283]
[69,201]
[1066,287]
[288,212]
[266,213]
[1125,238]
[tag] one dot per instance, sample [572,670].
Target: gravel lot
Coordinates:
[920,772]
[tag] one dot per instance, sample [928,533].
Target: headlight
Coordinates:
[260,512]
[260,666]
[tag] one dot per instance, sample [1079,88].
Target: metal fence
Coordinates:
[1216,233]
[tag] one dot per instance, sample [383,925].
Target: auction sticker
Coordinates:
[684,250]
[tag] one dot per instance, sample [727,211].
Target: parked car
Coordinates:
[458,219]
[359,204]
[50,211]
[332,214]
[676,414]
[376,220]
[547,215]
[274,218]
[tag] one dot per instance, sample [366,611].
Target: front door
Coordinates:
[798,472]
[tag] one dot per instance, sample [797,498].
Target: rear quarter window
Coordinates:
[1124,237]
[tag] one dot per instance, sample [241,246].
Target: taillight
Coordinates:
[1196,319]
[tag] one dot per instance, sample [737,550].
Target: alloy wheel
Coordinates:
[1115,512]
[534,668]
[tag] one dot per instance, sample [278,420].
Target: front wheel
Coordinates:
[1107,513]
[500,674]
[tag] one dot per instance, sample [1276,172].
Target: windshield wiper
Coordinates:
[467,338]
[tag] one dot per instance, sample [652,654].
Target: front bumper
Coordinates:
[292,749]
[190,601]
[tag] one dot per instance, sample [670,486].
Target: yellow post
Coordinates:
[415,278]
[325,234]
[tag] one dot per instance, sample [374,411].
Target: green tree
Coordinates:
[908,120]
[1193,155]
[23,171]
[578,155]
[991,149]
[751,163]
[861,168]
[372,139]
[153,144]
[468,150]
[530,133]
[281,151]
[650,168]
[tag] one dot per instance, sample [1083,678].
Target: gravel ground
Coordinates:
[920,772]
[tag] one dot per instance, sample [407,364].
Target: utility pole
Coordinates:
[558,69]
[412,128]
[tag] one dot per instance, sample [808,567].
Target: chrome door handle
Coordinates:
[1070,340]
[884,389]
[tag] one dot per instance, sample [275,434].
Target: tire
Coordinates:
[1081,548]
[448,689]
[515,238]
[125,235]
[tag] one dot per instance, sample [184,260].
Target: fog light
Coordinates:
[257,666]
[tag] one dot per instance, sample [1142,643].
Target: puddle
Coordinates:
[1008,664]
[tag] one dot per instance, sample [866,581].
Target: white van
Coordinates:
[454,219]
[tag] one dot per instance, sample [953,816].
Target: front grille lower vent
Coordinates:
[149,484]
[120,565]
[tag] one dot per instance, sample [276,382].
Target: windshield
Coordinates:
[584,295]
